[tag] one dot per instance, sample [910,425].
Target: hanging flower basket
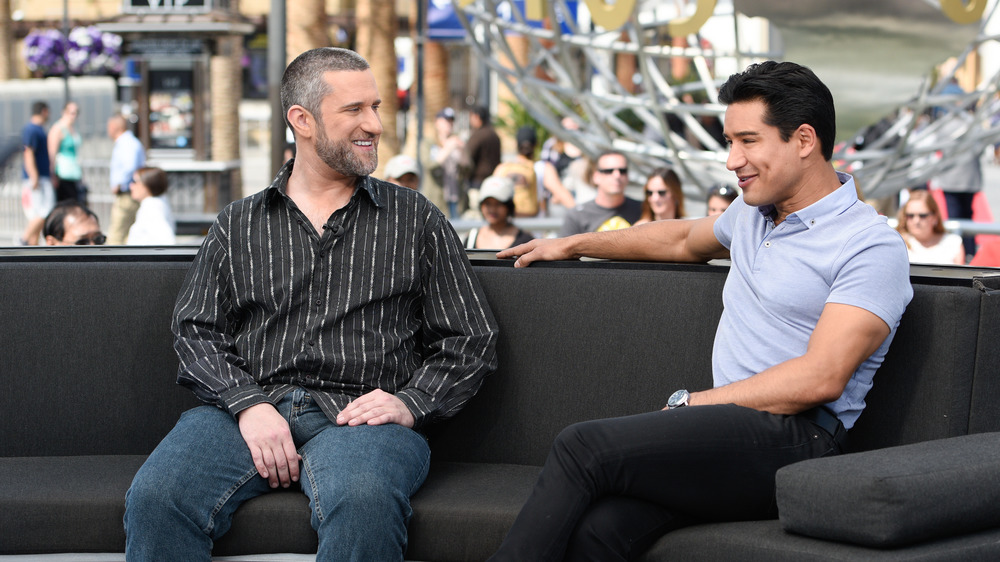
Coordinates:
[88,50]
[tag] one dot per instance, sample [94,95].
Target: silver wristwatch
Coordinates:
[678,399]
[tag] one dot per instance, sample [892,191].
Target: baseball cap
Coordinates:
[448,113]
[497,187]
[400,165]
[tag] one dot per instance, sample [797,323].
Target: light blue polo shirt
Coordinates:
[837,250]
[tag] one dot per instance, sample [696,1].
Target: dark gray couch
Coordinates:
[87,390]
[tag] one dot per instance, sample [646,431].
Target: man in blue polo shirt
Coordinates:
[817,286]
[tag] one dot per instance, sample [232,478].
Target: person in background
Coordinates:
[521,171]
[154,221]
[558,179]
[403,170]
[441,157]
[482,151]
[496,203]
[64,148]
[663,197]
[922,227]
[37,195]
[71,223]
[610,209]
[289,151]
[720,197]
[127,156]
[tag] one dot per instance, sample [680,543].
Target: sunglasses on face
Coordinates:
[660,192]
[609,171]
[96,240]
[912,216]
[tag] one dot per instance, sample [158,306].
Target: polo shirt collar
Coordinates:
[831,205]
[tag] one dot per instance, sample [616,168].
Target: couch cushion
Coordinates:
[767,541]
[76,504]
[895,496]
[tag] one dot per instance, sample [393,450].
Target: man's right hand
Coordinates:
[270,442]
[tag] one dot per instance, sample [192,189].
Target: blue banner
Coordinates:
[443,23]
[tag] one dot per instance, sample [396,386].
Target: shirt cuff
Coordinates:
[235,400]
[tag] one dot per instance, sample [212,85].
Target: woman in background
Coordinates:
[154,221]
[663,197]
[920,224]
[496,202]
[64,148]
[720,197]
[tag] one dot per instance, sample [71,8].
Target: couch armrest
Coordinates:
[895,496]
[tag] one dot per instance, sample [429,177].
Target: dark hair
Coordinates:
[673,183]
[154,179]
[302,82]
[55,223]
[38,107]
[792,95]
[483,112]
[723,191]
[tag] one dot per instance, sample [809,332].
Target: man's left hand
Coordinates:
[376,408]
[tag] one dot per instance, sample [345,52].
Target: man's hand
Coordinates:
[539,249]
[270,441]
[376,408]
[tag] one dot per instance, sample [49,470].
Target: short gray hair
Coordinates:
[303,84]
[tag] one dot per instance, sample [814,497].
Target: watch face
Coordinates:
[677,399]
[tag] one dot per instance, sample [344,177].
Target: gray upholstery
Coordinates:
[896,496]
[87,390]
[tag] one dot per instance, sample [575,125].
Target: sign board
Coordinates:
[170,6]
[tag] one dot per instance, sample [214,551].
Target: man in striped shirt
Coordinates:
[325,321]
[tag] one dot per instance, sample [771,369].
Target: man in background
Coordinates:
[72,224]
[37,194]
[127,156]
[610,209]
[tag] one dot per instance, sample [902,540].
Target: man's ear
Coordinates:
[806,138]
[301,121]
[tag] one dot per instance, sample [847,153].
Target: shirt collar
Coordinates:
[366,184]
[831,205]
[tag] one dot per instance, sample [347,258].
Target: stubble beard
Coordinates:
[341,158]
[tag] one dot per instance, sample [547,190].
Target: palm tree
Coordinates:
[376,41]
[306,20]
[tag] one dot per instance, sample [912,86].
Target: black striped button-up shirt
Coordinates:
[383,298]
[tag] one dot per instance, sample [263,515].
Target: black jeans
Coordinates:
[610,488]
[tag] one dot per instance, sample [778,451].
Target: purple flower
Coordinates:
[87,51]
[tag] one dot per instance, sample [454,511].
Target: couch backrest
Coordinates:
[87,365]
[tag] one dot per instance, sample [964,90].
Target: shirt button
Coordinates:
[319,302]
[812,222]
[767,244]
[312,343]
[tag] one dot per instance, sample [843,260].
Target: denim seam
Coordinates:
[225,498]
[317,507]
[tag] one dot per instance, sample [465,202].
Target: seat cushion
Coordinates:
[895,496]
[76,504]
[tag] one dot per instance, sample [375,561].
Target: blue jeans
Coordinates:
[358,479]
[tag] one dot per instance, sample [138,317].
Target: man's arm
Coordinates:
[683,240]
[844,337]
[211,368]
[29,166]
[458,332]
